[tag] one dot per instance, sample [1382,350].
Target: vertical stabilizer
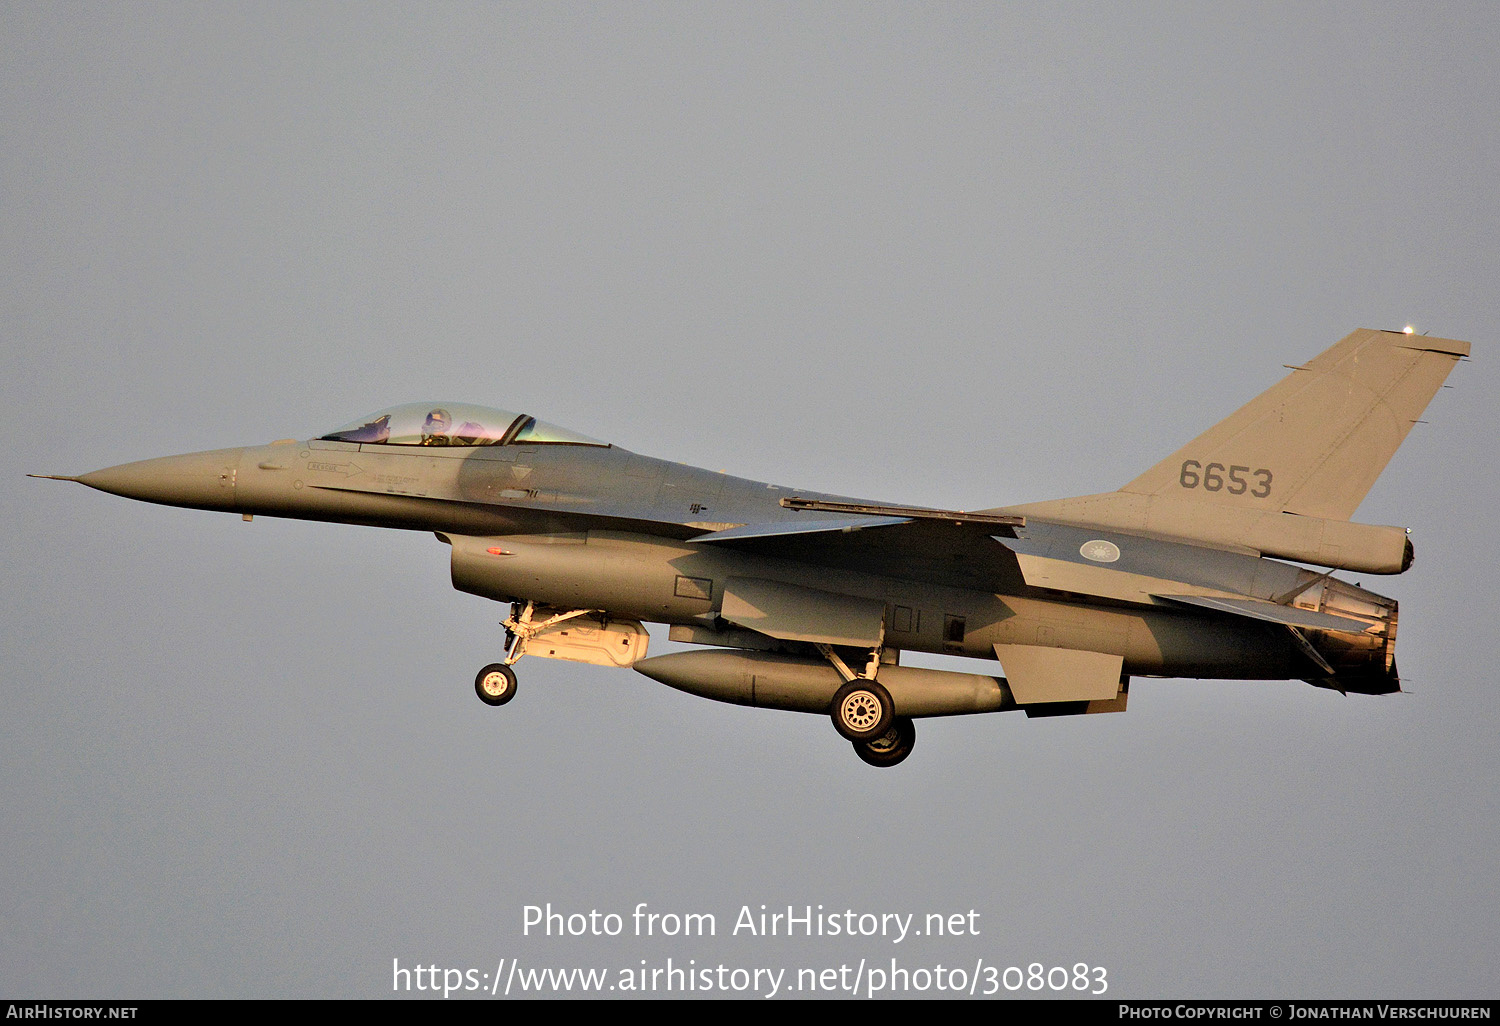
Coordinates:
[1282,475]
[1314,443]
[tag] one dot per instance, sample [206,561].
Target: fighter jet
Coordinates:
[805,601]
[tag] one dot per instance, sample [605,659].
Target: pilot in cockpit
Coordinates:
[435,428]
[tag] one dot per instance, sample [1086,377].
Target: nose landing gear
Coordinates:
[495,684]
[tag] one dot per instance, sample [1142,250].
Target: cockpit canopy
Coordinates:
[454,424]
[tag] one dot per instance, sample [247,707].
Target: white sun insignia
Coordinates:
[1100,551]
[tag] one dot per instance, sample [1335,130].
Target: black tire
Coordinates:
[891,747]
[495,684]
[862,710]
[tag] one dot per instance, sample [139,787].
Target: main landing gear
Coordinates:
[864,714]
[891,747]
[862,710]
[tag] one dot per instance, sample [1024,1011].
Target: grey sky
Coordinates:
[956,254]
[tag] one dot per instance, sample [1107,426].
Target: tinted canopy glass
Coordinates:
[454,424]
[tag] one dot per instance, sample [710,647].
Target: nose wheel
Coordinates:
[495,684]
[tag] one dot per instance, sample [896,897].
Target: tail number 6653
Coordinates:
[1216,477]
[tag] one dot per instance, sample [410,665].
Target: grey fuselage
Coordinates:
[597,527]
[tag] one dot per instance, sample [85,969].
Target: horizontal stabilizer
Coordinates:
[1273,613]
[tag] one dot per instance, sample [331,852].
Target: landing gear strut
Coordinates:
[862,710]
[496,683]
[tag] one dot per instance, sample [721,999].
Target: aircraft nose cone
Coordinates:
[200,480]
